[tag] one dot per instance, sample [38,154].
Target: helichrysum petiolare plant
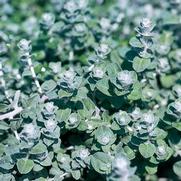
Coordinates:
[90,90]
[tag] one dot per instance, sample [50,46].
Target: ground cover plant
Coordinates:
[90,90]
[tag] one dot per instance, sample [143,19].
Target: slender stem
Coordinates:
[16,99]
[70,148]
[61,176]
[16,135]
[25,54]
[16,110]
[30,65]
[11,114]
[3,83]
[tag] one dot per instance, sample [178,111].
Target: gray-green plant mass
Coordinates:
[90,90]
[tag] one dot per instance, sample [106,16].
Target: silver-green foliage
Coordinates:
[84,95]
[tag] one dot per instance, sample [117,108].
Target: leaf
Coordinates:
[170,19]
[88,104]
[140,64]
[164,40]
[134,42]
[39,55]
[104,135]
[87,109]
[4,126]
[82,93]
[38,149]
[25,165]
[49,85]
[62,115]
[62,93]
[48,160]
[37,167]
[76,174]
[147,149]
[115,57]
[2,149]
[103,86]
[4,107]
[136,93]
[177,125]
[159,133]
[168,81]
[101,162]
[55,170]
[7,177]
[130,153]
[151,169]
[177,168]
[26,72]
[112,69]
[6,162]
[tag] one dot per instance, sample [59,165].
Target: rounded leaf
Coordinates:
[147,149]
[101,162]
[140,64]
[25,165]
[177,168]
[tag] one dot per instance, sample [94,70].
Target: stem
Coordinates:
[70,148]
[16,99]
[3,83]
[11,114]
[61,176]
[71,55]
[16,135]
[16,110]
[34,75]
[130,129]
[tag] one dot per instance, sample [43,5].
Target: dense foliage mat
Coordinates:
[90,90]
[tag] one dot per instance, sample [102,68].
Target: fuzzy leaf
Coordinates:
[140,64]
[177,168]
[25,165]
[147,149]
[101,162]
